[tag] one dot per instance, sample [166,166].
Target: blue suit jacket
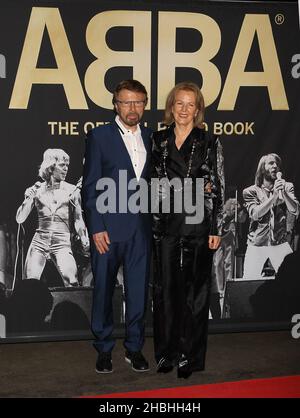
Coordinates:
[105,155]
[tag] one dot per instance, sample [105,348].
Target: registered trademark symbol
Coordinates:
[279,19]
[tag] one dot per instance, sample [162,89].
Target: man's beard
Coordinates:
[132,122]
[270,176]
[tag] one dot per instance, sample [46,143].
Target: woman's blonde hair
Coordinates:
[186,86]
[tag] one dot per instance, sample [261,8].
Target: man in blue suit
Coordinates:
[118,236]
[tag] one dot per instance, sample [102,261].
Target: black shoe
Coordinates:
[137,361]
[184,368]
[164,365]
[104,363]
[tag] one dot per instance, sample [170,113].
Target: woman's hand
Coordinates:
[214,242]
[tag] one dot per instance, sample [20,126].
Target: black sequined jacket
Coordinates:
[206,162]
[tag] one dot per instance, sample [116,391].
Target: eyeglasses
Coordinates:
[128,103]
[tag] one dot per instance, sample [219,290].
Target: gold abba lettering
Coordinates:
[270,77]
[65,74]
[140,58]
[169,59]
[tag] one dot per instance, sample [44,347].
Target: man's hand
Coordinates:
[214,242]
[101,240]
[279,185]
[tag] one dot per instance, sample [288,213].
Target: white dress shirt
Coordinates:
[135,146]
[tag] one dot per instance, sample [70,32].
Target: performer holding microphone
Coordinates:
[270,203]
[58,205]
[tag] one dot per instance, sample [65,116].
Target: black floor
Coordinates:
[67,369]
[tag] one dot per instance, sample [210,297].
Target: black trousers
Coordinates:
[181,291]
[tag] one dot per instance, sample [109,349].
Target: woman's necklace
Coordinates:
[165,154]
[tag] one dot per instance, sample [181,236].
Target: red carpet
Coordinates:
[277,387]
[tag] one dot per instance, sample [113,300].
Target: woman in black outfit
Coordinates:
[183,251]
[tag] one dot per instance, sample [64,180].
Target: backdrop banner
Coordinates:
[60,62]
